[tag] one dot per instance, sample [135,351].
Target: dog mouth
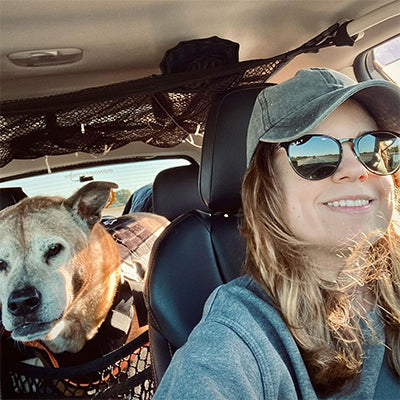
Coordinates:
[32,331]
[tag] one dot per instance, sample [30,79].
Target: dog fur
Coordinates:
[59,268]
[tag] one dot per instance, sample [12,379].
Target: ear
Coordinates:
[86,204]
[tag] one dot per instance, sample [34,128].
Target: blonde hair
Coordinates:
[318,313]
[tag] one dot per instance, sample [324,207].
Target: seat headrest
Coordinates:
[10,196]
[175,191]
[223,161]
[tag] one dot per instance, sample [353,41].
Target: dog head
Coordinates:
[46,247]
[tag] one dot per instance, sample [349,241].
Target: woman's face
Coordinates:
[326,213]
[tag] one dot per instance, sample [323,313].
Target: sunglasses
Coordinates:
[315,157]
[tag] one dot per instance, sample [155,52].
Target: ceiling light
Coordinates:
[46,57]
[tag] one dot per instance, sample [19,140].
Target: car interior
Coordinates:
[88,85]
[206,247]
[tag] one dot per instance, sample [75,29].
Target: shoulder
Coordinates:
[244,308]
[241,348]
[240,301]
[241,289]
[242,339]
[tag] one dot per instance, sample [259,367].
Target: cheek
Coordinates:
[294,211]
[300,199]
[300,216]
[387,199]
[300,207]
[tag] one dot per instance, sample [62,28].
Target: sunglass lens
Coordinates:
[314,157]
[380,152]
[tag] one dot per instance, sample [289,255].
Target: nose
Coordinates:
[350,168]
[24,301]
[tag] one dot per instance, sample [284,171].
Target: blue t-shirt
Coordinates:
[242,349]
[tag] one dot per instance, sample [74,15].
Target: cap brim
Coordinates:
[381,99]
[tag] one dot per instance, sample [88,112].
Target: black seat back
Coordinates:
[175,191]
[199,251]
[10,196]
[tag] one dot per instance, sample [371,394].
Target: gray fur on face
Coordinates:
[48,248]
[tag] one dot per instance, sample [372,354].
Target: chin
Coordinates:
[360,241]
[32,331]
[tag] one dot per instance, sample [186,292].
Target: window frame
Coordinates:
[363,66]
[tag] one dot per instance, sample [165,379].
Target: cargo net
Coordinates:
[123,374]
[161,110]
[163,119]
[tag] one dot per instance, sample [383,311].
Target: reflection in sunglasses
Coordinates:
[317,156]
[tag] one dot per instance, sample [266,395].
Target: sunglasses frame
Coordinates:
[354,142]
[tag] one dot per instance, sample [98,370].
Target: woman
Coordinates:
[317,312]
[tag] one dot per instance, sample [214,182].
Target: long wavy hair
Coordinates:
[320,315]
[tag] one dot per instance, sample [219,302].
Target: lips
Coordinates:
[32,331]
[351,204]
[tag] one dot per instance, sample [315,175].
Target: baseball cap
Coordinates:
[291,109]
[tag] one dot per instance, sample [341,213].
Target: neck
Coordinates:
[329,264]
[337,267]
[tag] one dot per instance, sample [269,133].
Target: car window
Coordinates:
[130,177]
[386,58]
[382,61]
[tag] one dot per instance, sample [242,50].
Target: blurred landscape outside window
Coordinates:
[129,176]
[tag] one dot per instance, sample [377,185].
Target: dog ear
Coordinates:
[86,204]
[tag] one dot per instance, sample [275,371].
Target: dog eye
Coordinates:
[53,250]
[3,265]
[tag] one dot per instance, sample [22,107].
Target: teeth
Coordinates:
[348,203]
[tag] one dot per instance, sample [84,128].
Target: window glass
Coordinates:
[386,59]
[130,176]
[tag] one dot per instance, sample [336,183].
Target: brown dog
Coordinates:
[59,268]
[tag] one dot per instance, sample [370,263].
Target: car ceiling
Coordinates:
[126,39]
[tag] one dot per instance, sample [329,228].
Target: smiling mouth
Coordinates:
[349,203]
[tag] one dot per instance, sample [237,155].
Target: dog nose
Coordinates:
[24,301]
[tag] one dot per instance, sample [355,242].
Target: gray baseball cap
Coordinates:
[293,108]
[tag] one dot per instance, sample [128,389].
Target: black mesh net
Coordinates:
[161,110]
[124,373]
[163,118]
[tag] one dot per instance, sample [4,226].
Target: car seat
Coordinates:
[10,196]
[199,251]
[175,191]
